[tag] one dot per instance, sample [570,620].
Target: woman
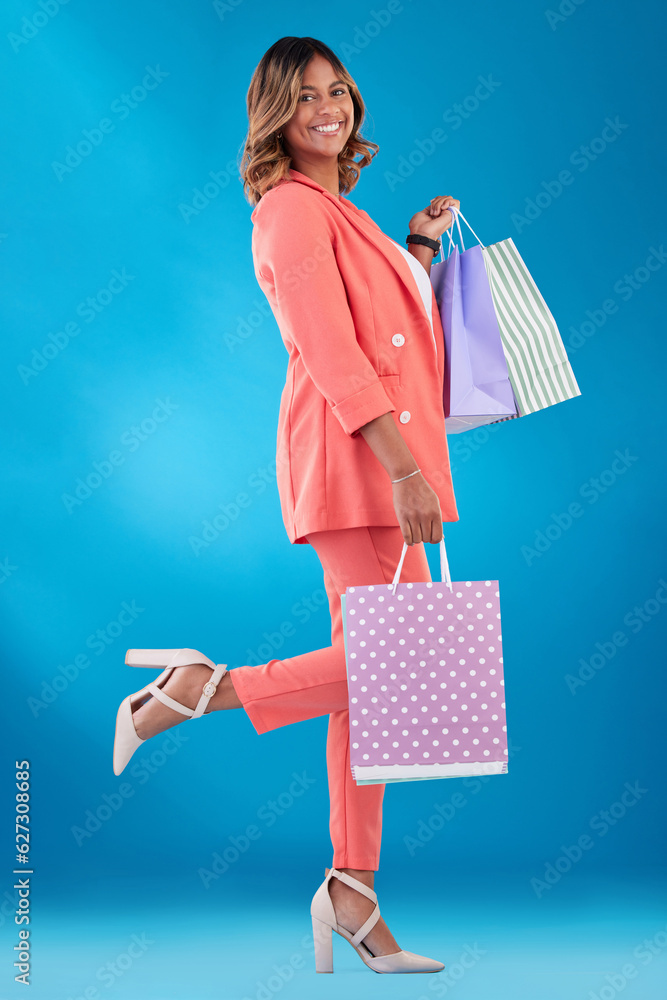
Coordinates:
[362,459]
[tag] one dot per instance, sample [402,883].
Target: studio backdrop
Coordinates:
[141,384]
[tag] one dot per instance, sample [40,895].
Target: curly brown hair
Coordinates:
[272,99]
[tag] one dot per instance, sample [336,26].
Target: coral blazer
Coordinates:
[360,344]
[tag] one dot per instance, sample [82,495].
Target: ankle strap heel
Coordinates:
[126,741]
[324,923]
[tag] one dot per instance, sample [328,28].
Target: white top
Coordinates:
[423,282]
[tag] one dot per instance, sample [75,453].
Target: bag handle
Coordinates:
[444,566]
[456,212]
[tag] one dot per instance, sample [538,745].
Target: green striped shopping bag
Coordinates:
[539,371]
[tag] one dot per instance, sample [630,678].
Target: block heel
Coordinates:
[323,938]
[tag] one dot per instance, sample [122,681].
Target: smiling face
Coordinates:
[323,121]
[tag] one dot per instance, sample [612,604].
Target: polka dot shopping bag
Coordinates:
[425,678]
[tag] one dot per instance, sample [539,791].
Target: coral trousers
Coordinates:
[281,692]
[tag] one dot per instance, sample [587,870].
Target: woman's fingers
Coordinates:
[425,531]
[441,204]
[418,512]
[431,532]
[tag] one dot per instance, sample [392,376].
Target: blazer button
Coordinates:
[404,417]
[398,340]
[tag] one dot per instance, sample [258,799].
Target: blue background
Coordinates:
[190,327]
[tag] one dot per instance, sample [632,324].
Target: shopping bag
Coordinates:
[539,369]
[425,679]
[476,388]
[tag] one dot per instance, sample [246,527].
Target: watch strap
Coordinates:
[424,241]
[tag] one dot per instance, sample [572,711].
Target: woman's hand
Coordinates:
[435,218]
[416,505]
[418,510]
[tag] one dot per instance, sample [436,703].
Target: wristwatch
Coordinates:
[425,241]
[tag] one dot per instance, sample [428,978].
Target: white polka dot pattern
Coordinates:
[425,674]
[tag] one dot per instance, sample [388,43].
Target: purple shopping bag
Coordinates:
[425,679]
[477,388]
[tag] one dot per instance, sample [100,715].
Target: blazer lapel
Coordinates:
[372,233]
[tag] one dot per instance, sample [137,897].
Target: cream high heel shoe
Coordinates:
[324,923]
[126,740]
